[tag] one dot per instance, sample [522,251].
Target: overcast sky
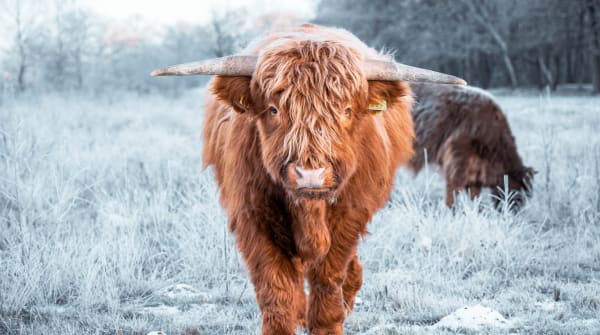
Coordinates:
[172,11]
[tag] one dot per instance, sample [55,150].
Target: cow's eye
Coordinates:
[347,112]
[273,111]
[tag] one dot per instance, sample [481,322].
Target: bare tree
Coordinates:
[71,41]
[593,11]
[20,41]
[484,13]
[226,32]
[22,21]
[13,11]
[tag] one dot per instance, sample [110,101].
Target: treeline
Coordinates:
[58,45]
[510,43]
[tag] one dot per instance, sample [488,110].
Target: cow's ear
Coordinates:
[384,94]
[234,91]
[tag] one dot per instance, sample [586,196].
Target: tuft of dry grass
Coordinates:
[103,203]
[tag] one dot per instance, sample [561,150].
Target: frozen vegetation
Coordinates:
[109,225]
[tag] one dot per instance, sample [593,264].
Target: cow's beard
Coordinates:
[304,194]
[310,229]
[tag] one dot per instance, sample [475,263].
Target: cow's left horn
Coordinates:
[224,66]
[390,71]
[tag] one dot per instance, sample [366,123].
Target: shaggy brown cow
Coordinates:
[464,131]
[305,132]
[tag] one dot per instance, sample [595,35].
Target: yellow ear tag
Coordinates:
[379,107]
[242,102]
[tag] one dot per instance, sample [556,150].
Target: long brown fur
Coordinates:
[310,74]
[463,130]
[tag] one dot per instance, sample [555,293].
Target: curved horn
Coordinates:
[390,71]
[224,66]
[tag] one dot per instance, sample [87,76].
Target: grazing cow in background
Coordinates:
[305,131]
[463,130]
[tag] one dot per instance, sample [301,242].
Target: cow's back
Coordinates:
[444,112]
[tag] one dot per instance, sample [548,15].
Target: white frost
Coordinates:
[548,306]
[183,292]
[426,243]
[162,310]
[358,301]
[474,318]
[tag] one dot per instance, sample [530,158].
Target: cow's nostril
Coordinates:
[299,171]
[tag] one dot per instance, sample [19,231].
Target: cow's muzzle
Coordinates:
[311,182]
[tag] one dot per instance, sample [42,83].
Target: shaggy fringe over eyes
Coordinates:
[311,81]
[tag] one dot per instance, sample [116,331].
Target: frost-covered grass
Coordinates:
[104,205]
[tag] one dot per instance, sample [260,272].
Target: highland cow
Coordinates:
[462,130]
[305,130]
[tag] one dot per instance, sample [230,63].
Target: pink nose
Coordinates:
[310,178]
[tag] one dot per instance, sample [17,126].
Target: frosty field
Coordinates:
[109,225]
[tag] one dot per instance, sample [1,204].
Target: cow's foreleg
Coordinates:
[352,283]
[474,191]
[276,279]
[300,294]
[326,310]
[451,194]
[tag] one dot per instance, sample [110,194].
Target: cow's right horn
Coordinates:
[224,66]
[391,71]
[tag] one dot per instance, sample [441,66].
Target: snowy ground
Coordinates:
[108,225]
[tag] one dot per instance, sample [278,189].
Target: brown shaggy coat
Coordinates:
[463,130]
[306,108]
